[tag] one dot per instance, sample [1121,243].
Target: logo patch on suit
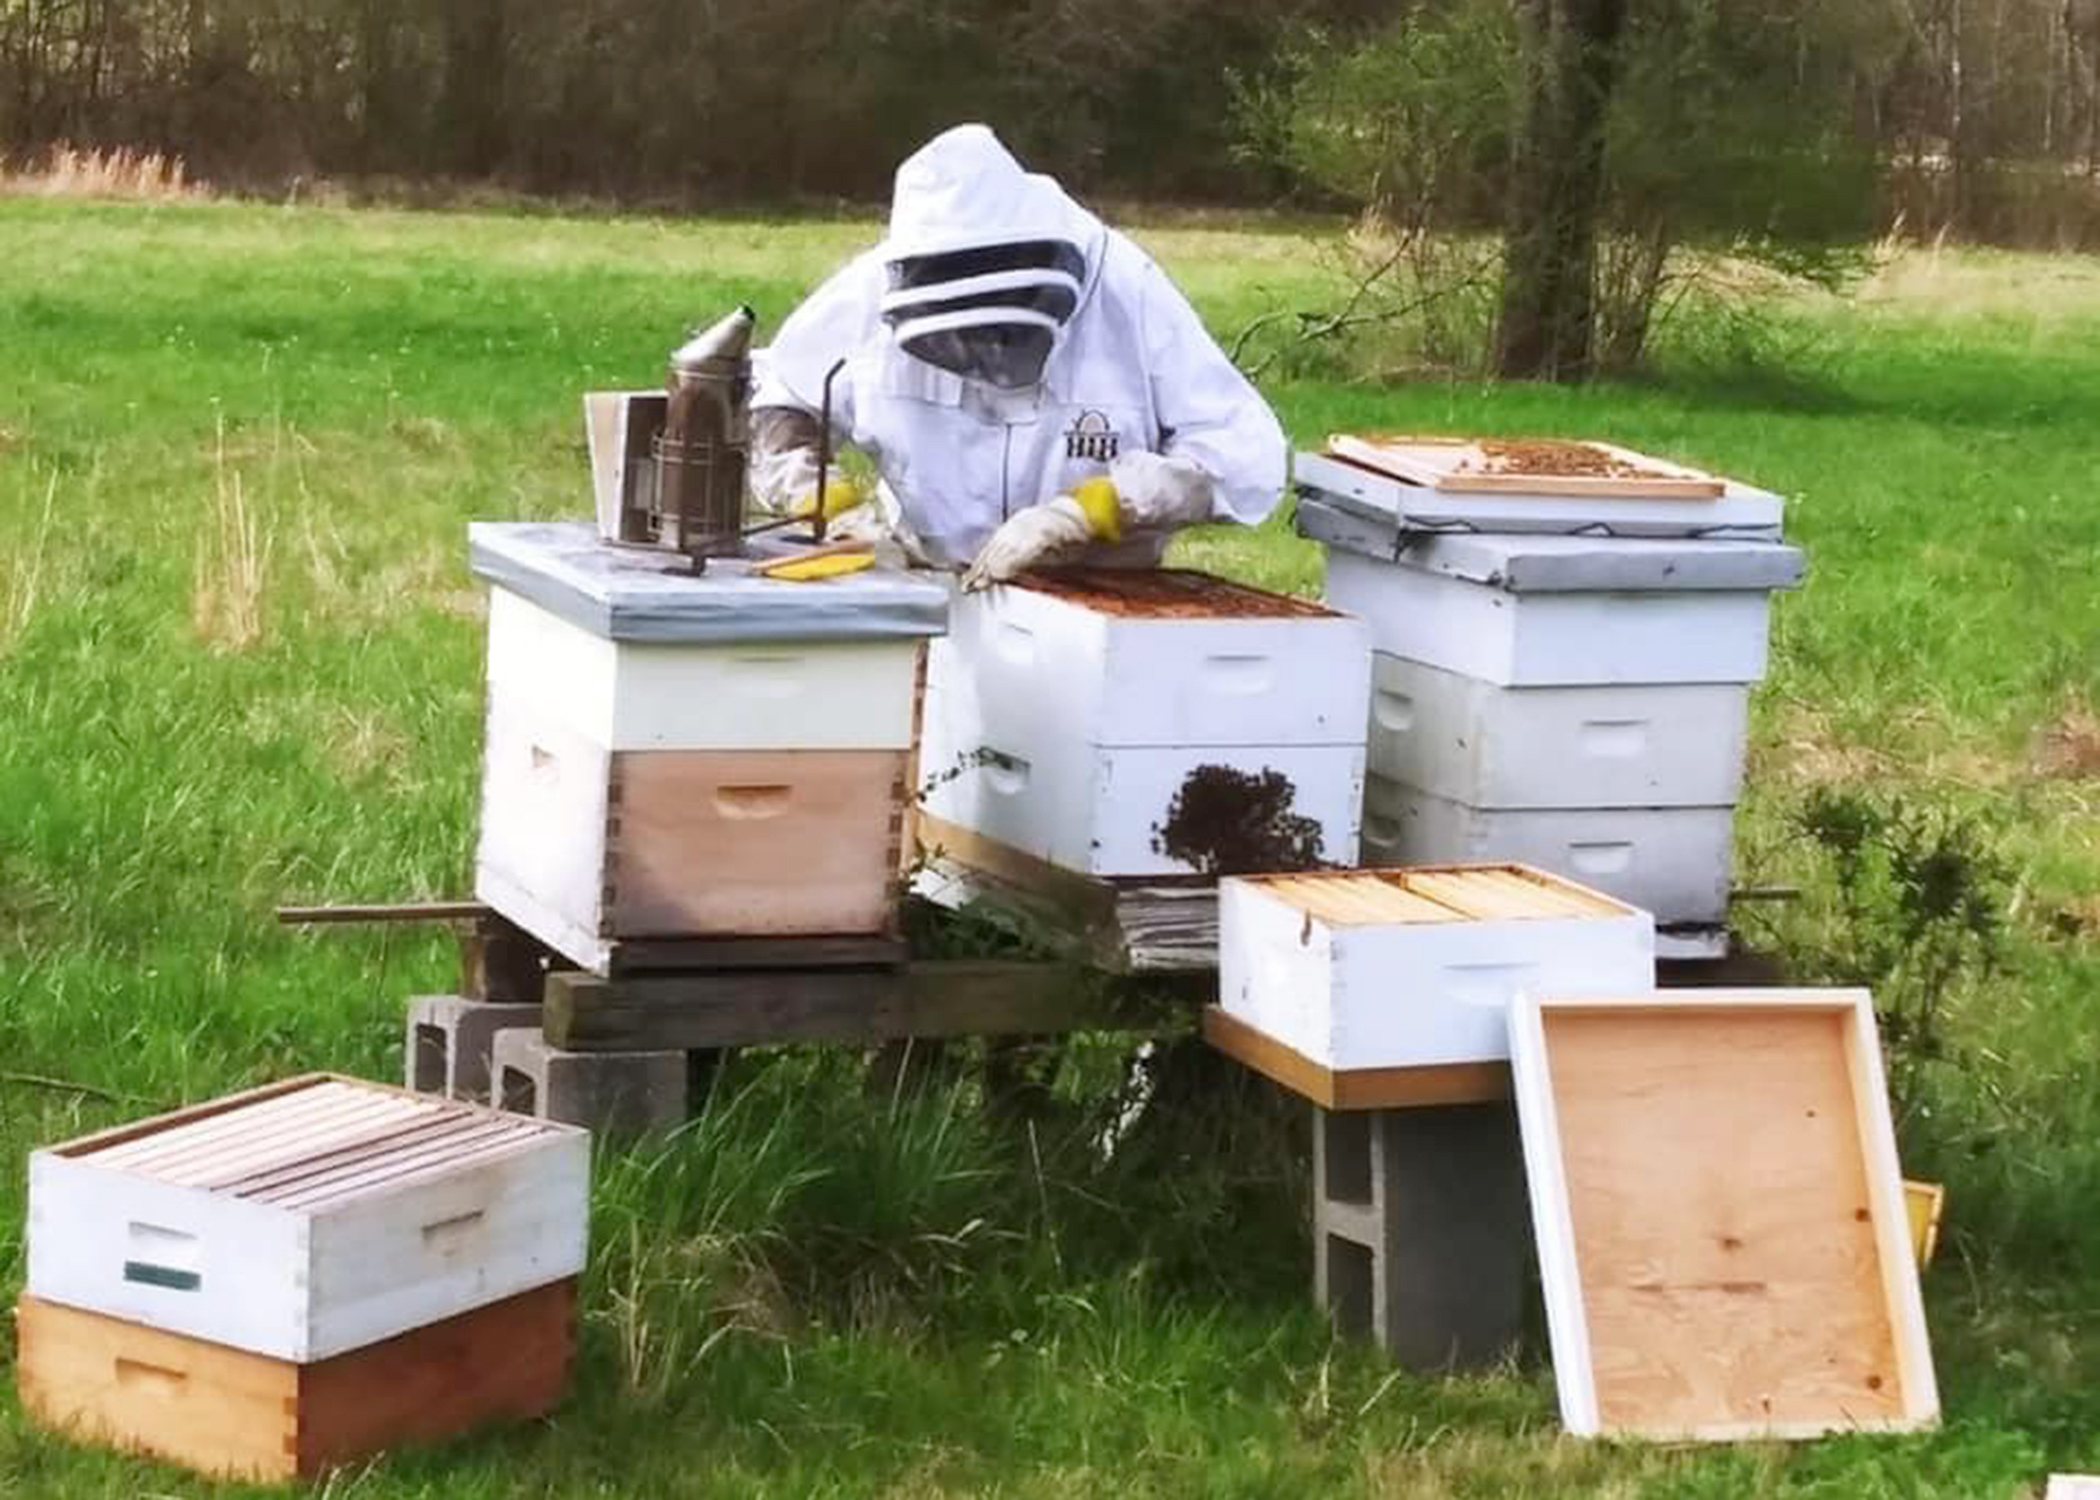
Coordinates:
[1090,436]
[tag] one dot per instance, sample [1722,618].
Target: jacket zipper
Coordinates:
[1006,459]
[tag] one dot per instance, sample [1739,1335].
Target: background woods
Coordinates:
[1978,116]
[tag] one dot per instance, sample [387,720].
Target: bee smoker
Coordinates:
[692,492]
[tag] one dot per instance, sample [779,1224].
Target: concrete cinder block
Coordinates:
[1421,1235]
[449,1041]
[614,1093]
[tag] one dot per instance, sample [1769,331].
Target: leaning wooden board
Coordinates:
[1721,1226]
[1527,467]
[238,1415]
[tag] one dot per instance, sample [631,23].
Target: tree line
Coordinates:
[1983,116]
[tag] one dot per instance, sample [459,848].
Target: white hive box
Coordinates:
[1677,862]
[308,1218]
[1647,612]
[1469,741]
[1380,969]
[1071,717]
[682,758]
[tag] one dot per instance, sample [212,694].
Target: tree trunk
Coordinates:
[472,136]
[1546,329]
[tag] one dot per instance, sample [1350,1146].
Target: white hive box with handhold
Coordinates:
[673,757]
[1554,611]
[1146,723]
[1397,969]
[1465,740]
[308,1218]
[1676,862]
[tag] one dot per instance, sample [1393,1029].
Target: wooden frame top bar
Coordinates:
[1436,894]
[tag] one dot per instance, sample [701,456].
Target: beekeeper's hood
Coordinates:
[987,261]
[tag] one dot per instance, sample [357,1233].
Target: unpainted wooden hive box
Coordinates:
[302,1274]
[1376,969]
[1145,723]
[672,757]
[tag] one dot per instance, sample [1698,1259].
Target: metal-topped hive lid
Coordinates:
[1559,563]
[639,594]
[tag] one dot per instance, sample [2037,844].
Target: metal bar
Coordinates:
[1765,893]
[408,911]
[817,521]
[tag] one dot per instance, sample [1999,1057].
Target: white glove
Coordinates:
[1157,493]
[1047,533]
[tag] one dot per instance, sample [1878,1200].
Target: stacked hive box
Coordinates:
[686,758]
[302,1276]
[1146,724]
[1575,702]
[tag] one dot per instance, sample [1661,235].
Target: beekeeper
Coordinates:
[1030,386]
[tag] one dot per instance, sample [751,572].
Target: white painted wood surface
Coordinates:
[1410,994]
[1032,666]
[1098,809]
[310,1218]
[756,695]
[1066,732]
[1555,639]
[540,860]
[1741,512]
[1477,742]
[1545,1155]
[1676,862]
[2073,1487]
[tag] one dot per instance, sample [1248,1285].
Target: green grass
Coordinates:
[239,658]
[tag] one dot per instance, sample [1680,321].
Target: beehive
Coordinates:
[1579,703]
[1148,723]
[308,1218]
[672,757]
[1377,969]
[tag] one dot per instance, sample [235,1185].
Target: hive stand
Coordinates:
[1421,1225]
[637,1049]
[1420,1237]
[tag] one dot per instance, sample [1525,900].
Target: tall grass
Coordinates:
[65,171]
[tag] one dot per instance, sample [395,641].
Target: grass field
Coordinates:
[239,664]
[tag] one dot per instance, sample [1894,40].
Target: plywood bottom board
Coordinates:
[237,1415]
[1349,1089]
[1722,1232]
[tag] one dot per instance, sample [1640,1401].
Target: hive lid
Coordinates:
[311,1143]
[1739,512]
[1523,564]
[641,594]
[1435,895]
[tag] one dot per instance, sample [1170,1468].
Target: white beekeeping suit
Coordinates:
[1015,369]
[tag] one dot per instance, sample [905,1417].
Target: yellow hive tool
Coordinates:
[827,562]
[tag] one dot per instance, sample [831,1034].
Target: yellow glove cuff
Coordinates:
[840,495]
[1103,508]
